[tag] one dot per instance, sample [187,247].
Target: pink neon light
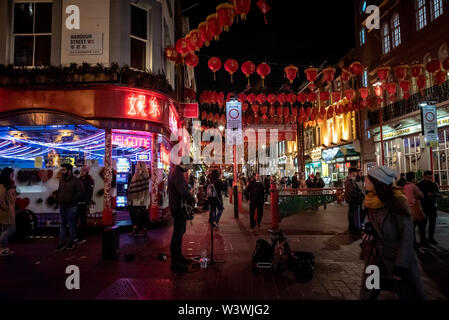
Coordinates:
[128,141]
[138,105]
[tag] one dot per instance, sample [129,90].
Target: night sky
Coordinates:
[299,32]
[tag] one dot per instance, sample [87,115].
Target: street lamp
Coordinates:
[221,128]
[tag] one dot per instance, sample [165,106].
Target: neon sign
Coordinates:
[165,155]
[137,106]
[172,121]
[128,141]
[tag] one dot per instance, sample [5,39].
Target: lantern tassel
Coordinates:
[265,17]
[215,79]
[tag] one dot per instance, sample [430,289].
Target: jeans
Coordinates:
[68,218]
[179,228]
[215,213]
[431,214]
[252,212]
[7,231]
[81,216]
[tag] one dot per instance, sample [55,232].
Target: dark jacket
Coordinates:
[353,194]
[70,192]
[430,201]
[256,192]
[295,183]
[88,184]
[309,183]
[177,190]
[219,188]
[318,183]
[401,182]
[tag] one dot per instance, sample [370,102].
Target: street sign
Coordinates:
[190,110]
[233,114]
[430,125]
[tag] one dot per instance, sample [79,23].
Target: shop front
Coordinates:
[337,161]
[108,128]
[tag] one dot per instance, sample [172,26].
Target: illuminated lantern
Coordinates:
[364,92]
[330,112]
[286,112]
[291,98]
[251,98]
[440,77]
[345,74]
[383,73]
[416,69]
[336,96]
[210,116]
[311,73]
[242,97]
[271,98]
[433,66]
[261,98]
[213,27]
[392,88]
[248,68]
[231,66]
[264,110]
[203,115]
[214,64]
[181,47]
[294,112]
[245,106]
[322,112]
[405,85]
[255,109]
[378,91]
[192,60]
[190,45]
[196,39]
[350,94]
[272,111]
[168,52]
[324,96]
[204,34]
[263,70]
[356,68]
[290,72]
[223,119]
[212,97]
[329,74]
[446,64]
[217,117]
[302,97]
[421,82]
[401,71]
[225,14]
[280,111]
[302,115]
[282,98]
[220,99]
[242,7]
[312,97]
[264,7]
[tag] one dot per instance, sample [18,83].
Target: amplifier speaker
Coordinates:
[111,243]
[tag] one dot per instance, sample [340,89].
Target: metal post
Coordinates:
[381,134]
[236,191]
[431,163]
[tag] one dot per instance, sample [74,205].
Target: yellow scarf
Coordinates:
[372,201]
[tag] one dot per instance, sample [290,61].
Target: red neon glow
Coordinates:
[128,141]
[154,108]
[348,164]
[165,155]
[138,106]
[172,121]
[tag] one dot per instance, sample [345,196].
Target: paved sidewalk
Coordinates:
[38,272]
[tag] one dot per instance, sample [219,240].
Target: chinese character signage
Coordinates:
[430,125]
[165,155]
[190,110]
[86,44]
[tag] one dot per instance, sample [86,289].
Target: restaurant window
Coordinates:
[412,153]
[421,14]
[362,36]
[436,9]
[386,39]
[441,158]
[139,37]
[32,33]
[396,30]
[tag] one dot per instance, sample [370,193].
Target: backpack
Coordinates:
[210,191]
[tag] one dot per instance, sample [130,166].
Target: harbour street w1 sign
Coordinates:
[233,114]
[430,125]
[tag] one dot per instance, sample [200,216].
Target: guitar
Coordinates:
[188,209]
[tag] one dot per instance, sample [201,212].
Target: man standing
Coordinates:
[83,207]
[353,196]
[429,204]
[266,184]
[178,193]
[70,193]
[256,191]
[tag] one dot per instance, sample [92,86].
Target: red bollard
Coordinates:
[274,207]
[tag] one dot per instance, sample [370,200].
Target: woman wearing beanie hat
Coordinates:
[391,237]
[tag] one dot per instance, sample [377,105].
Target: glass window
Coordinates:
[139,23]
[396,27]
[139,35]
[138,54]
[421,14]
[436,9]
[32,33]
[386,39]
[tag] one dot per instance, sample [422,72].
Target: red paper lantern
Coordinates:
[290,72]
[446,64]
[263,70]
[272,111]
[416,69]
[261,98]
[255,109]
[350,94]
[364,92]
[311,73]
[302,97]
[242,97]
[192,60]
[329,74]
[440,77]
[212,97]
[405,85]
[248,68]
[356,68]
[291,98]
[214,64]
[330,112]
[383,73]
[345,74]
[322,112]
[336,96]
[203,115]
[225,14]
[181,47]
[406,95]
[251,98]
[324,96]
[190,45]
[282,98]
[213,27]
[378,91]
[205,36]
[392,88]
[271,98]
[242,7]
[433,66]
[220,99]
[401,71]
[421,82]
[286,112]
[245,106]
[264,7]
[280,111]
[294,112]
[312,97]
[231,66]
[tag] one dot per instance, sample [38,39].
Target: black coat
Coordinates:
[177,190]
[429,202]
[256,192]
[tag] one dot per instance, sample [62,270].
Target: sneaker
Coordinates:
[6,252]
[432,241]
[179,268]
[71,246]
[60,247]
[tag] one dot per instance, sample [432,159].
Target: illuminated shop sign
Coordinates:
[139,105]
[143,157]
[128,141]
[165,155]
[172,121]
[123,165]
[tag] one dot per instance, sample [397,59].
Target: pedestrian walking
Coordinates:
[8,197]
[390,237]
[295,181]
[429,204]
[178,195]
[267,184]
[414,197]
[70,194]
[360,181]
[354,198]
[255,194]
[139,200]
[309,181]
[83,207]
[214,190]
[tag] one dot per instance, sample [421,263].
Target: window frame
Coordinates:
[418,15]
[396,37]
[432,9]
[146,41]
[386,36]
[32,34]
